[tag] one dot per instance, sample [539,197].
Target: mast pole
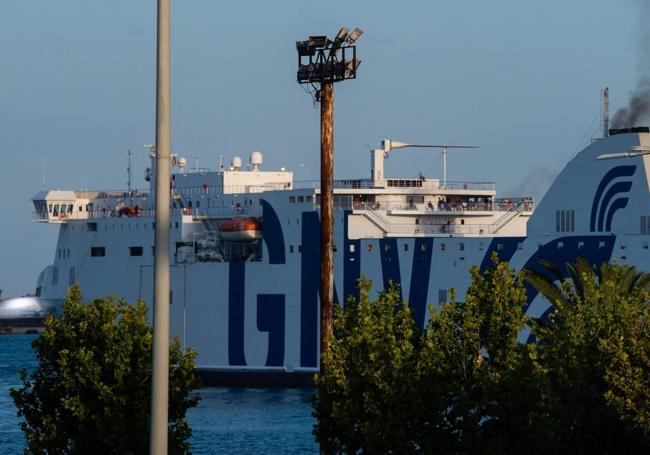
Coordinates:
[160,354]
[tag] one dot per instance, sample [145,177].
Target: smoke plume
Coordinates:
[638,108]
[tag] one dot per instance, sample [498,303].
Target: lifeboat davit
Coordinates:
[240,229]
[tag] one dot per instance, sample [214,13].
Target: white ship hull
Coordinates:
[252,307]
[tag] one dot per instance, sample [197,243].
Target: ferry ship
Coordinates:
[244,245]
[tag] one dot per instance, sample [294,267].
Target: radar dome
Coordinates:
[236,162]
[256,159]
[182,162]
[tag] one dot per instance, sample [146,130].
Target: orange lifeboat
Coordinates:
[240,229]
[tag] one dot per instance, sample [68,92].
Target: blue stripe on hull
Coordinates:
[389,262]
[270,318]
[421,272]
[310,283]
[351,263]
[236,303]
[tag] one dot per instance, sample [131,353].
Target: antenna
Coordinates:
[129,172]
[43,172]
[605,112]
[388,145]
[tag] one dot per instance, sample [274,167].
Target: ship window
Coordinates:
[308,199]
[290,248]
[443,247]
[189,204]
[56,210]
[97,251]
[423,247]
[135,251]
[50,208]
[645,245]
[292,199]
[299,248]
[175,224]
[55,276]
[301,199]
[335,248]
[387,247]
[406,247]
[81,208]
[70,207]
[560,245]
[370,247]
[601,245]
[581,245]
[442,296]
[499,246]
[461,246]
[351,248]
[71,277]
[520,245]
[645,225]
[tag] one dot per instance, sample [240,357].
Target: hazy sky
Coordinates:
[522,79]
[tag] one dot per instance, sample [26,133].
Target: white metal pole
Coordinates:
[444,167]
[160,373]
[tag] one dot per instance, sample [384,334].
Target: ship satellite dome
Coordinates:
[182,162]
[256,158]
[236,162]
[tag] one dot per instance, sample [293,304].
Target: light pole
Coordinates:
[160,354]
[321,63]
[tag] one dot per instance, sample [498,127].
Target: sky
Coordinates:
[521,79]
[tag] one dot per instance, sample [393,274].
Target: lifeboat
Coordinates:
[240,229]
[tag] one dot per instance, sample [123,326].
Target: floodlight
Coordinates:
[304,49]
[340,37]
[318,41]
[354,36]
[351,67]
[637,150]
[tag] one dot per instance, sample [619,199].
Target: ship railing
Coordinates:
[401,183]
[398,229]
[112,212]
[497,205]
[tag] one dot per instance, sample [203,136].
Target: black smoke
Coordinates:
[638,108]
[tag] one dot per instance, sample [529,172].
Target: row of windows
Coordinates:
[100,251]
[301,199]
[92,227]
[405,247]
[565,220]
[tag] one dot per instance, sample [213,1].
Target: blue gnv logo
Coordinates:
[605,206]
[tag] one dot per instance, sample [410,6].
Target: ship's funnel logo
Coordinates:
[607,203]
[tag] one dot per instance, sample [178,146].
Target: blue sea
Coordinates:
[227,420]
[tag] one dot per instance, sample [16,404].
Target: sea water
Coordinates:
[227,420]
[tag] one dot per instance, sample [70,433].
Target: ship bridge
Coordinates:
[57,206]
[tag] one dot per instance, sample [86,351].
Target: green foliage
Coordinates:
[365,386]
[457,386]
[91,390]
[465,384]
[595,352]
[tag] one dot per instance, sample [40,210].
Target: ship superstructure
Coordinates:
[245,244]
